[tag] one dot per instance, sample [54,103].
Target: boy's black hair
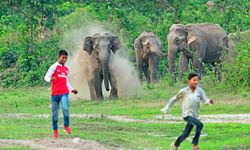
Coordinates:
[62,52]
[191,75]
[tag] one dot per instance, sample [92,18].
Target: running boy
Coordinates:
[60,87]
[191,97]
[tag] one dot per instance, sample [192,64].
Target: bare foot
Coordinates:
[196,147]
[175,147]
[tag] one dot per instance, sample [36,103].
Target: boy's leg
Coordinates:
[65,105]
[55,107]
[185,134]
[199,126]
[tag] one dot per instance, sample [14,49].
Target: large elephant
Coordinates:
[101,49]
[200,43]
[148,49]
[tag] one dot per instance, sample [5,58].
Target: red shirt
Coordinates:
[60,85]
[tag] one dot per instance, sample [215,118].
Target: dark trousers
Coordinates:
[191,122]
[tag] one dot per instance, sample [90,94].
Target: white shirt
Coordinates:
[51,71]
[190,101]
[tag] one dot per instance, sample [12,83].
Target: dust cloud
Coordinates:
[79,63]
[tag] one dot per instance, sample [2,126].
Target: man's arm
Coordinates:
[172,101]
[49,73]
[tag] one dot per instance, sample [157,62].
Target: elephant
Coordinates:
[148,49]
[101,49]
[199,43]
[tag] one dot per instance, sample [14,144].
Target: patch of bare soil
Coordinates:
[58,144]
[218,118]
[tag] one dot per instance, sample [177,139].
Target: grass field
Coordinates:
[127,135]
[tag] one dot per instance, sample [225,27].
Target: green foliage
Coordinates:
[237,71]
[25,57]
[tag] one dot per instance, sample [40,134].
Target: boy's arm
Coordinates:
[172,101]
[71,89]
[69,85]
[205,99]
[49,73]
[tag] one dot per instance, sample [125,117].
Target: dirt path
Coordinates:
[218,118]
[50,144]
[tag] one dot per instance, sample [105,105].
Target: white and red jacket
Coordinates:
[61,84]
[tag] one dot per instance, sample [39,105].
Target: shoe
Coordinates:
[67,130]
[55,134]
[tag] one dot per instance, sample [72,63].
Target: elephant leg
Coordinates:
[198,52]
[114,88]
[92,89]
[197,65]
[139,68]
[98,86]
[145,70]
[183,64]
[153,69]
[218,68]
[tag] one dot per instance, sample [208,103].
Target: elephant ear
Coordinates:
[88,45]
[115,43]
[138,44]
[191,36]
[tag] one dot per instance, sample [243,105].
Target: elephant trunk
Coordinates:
[156,50]
[161,54]
[105,68]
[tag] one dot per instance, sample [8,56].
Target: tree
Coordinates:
[36,13]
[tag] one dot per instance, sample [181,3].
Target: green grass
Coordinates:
[129,135]
[152,98]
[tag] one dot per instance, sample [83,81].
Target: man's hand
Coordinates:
[211,101]
[74,91]
[52,79]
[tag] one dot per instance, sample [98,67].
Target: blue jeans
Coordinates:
[56,100]
[191,122]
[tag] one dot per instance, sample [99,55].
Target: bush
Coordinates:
[19,66]
[237,70]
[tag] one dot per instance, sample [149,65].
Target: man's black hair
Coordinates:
[191,75]
[62,52]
